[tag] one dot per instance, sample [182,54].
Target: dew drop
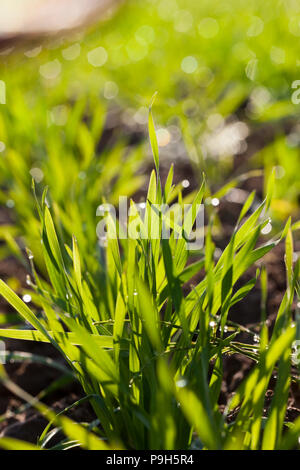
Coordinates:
[10,203]
[82,175]
[181,383]
[50,70]
[189,64]
[163,137]
[37,174]
[208,28]
[26,298]
[111,90]
[97,57]
[71,52]
[267,229]
[33,52]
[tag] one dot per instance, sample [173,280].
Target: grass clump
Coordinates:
[149,356]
